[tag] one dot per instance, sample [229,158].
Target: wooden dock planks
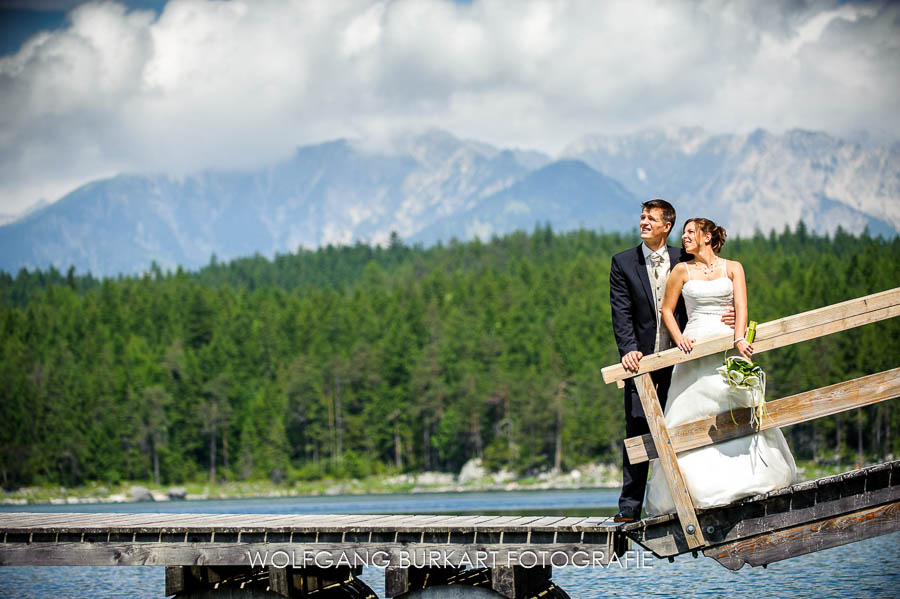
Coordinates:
[231,539]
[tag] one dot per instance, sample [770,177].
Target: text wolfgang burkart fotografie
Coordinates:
[448,558]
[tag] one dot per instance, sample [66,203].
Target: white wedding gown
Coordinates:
[721,473]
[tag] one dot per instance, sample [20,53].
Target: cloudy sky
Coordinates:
[90,89]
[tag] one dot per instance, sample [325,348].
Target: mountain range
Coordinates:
[432,187]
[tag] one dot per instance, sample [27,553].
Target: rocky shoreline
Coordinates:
[472,477]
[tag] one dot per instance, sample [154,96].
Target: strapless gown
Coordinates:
[724,472]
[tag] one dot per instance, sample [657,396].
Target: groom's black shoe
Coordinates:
[626,514]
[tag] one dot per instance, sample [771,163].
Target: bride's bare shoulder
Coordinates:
[734,268]
[679,272]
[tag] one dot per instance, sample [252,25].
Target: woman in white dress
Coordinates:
[721,473]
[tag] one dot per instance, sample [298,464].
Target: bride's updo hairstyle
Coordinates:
[717,233]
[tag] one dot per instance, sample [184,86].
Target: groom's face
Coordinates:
[653,228]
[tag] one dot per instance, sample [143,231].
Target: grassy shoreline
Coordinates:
[586,476]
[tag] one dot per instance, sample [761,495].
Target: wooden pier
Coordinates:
[513,554]
[437,556]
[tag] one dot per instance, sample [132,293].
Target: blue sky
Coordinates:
[20,19]
[91,89]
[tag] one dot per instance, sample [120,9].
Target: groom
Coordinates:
[637,285]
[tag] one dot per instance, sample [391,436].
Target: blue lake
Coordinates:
[866,569]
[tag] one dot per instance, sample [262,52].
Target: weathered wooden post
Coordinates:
[669,462]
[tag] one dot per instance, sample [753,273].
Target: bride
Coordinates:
[721,473]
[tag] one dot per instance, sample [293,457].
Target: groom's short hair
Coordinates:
[668,211]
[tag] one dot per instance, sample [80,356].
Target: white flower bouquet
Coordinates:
[741,373]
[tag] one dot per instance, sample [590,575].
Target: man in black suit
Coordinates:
[637,285]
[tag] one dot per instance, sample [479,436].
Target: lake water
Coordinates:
[866,569]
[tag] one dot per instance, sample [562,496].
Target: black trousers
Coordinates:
[634,476]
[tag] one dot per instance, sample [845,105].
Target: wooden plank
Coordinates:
[787,411]
[566,524]
[467,522]
[808,538]
[240,554]
[396,581]
[194,522]
[364,524]
[389,522]
[793,506]
[829,328]
[155,521]
[414,524]
[545,523]
[750,526]
[497,523]
[60,523]
[669,463]
[834,312]
[404,523]
[282,523]
[778,333]
[182,523]
[598,524]
[313,523]
[285,522]
[175,580]
[473,521]
[279,581]
[164,523]
[515,581]
[207,523]
[616,373]
[449,522]
[10,521]
[63,519]
[521,523]
[224,522]
[110,520]
[273,522]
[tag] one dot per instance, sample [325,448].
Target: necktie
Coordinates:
[656,261]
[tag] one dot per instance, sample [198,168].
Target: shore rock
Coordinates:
[177,493]
[433,479]
[139,493]
[471,470]
[504,476]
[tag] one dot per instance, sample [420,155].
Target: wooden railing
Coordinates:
[664,443]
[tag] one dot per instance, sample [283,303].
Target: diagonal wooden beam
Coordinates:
[778,333]
[801,407]
[669,462]
[807,538]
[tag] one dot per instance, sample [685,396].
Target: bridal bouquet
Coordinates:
[741,373]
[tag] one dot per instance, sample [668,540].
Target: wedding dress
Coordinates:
[721,473]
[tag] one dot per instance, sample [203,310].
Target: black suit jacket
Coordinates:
[631,300]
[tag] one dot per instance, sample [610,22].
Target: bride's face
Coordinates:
[693,238]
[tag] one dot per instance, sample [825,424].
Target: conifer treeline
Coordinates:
[359,359]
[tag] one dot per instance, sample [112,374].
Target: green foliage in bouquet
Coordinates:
[741,373]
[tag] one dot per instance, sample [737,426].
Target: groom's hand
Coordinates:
[728,317]
[631,360]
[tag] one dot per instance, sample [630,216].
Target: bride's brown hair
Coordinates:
[717,233]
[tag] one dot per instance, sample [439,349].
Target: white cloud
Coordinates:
[238,84]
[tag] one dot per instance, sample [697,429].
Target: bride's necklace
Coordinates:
[708,270]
